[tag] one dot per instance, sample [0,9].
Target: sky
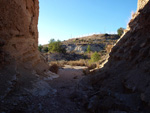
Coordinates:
[65,19]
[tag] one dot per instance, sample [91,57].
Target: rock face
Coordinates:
[83,48]
[19,35]
[20,61]
[141,4]
[123,84]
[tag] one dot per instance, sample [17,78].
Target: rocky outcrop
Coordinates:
[21,66]
[123,84]
[82,48]
[141,4]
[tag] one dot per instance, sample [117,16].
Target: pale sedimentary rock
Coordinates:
[141,4]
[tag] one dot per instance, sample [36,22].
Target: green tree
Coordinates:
[55,46]
[52,40]
[95,57]
[45,49]
[88,49]
[40,47]
[120,31]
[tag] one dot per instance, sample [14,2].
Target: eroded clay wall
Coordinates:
[20,60]
[18,31]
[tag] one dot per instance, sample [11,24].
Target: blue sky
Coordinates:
[64,19]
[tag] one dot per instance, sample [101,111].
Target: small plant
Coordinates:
[45,49]
[90,41]
[95,57]
[77,63]
[40,47]
[88,49]
[74,41]
[120,31]
[91,66]
[106,34]
[60,63]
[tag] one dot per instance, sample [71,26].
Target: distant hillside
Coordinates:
[97,42]
[93,39]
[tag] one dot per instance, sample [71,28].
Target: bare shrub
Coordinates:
[54,68]
[92,66]
[59,63]
[77,63]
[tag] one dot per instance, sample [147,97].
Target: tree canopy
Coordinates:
[55,46]
[120,31]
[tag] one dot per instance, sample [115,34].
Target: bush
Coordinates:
[120,31]
[45,49]
[95,57]
[88,49]
[106,34]
[40,47]
[55,46]
[77,63]
[54,68]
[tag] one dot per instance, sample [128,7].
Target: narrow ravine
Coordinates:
[63,87]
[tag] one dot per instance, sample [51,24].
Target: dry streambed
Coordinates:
[64,86]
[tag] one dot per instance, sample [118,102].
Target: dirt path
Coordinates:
[64,86]
[52,96]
